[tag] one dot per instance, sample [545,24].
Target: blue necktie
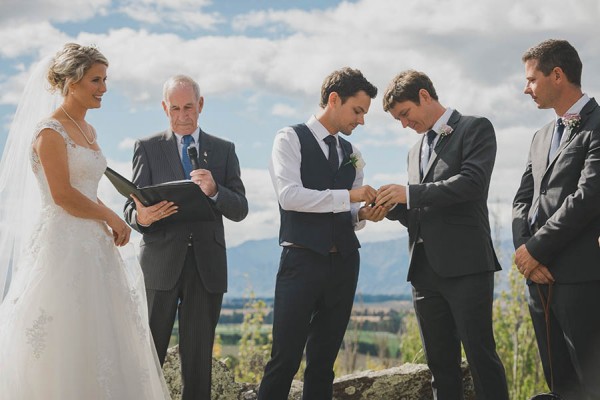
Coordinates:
[425,159]
[334,159]
[556,138]
[187,140]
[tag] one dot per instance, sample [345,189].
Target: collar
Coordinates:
[318,130]
[577,107]
[443,120]
[195,135]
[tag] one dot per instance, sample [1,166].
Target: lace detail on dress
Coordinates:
[36,335]
[106,376]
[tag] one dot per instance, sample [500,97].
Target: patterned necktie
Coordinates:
[334,160]
[187,140]
[427,155]
[556,138]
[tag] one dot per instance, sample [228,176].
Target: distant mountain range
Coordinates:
[383,267]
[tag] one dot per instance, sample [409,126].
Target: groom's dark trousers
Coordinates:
[313,300]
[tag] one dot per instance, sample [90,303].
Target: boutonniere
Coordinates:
[445,130]
[356,160]
[571,121]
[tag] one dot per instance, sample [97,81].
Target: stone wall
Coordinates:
[406,382]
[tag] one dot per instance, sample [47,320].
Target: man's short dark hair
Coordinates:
[406,87]
[346,82]
[554,53]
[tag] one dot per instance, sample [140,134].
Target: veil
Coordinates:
[19,193]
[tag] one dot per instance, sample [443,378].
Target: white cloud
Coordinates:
[470,50]
[29,38]
[178,15]
[283,110]
[127,144]
[38,11]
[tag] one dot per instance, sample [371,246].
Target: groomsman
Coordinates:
[452,260]
[556,222]
[318,180]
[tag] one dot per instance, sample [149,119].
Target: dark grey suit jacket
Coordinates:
[448,205]
[163,246]
[566,194]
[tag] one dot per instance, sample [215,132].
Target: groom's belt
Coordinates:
[297,246]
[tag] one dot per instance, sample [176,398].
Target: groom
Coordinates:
[318,182]
[452,260]
[184,264]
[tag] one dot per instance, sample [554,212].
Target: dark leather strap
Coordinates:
[546,305]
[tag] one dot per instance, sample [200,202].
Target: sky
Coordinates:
[260,65]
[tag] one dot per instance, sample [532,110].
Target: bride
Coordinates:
[73,324]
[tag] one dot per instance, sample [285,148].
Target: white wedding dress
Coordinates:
[71,325]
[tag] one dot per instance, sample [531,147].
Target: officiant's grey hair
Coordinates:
[71,63]
[182,80]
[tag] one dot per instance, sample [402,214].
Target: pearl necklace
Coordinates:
[90,142]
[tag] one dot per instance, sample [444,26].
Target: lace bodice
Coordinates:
[86,166]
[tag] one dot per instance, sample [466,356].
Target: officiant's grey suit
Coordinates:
[452,259]
[562,198]
[184,264]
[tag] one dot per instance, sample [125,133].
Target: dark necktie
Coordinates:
[334,160]
[187,140]
[425,159]
[556,138]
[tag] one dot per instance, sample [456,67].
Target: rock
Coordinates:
[224,386]
[406,382]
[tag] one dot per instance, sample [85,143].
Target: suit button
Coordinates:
[543,191]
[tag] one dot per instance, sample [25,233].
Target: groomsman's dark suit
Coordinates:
[562,197]
[187,260]
[452,259]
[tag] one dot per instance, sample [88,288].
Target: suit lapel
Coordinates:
[170,148]
[206,150]
[441,143]
[585,111]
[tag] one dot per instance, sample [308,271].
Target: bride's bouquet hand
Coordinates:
[120,230]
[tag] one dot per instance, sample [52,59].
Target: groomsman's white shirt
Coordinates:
[285,175]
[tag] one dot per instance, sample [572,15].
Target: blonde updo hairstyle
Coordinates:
[70,64]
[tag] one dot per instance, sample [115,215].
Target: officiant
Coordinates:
[184,263]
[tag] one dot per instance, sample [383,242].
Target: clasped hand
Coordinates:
[530,268]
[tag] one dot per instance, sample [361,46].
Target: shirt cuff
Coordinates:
[407,197]
[341,200]
[358,225]
[140,224]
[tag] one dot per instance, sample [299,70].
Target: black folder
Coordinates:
[191,200]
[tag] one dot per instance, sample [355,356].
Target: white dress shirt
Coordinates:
[285,175]
[436,127]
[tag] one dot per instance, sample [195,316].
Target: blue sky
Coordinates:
[260,65]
